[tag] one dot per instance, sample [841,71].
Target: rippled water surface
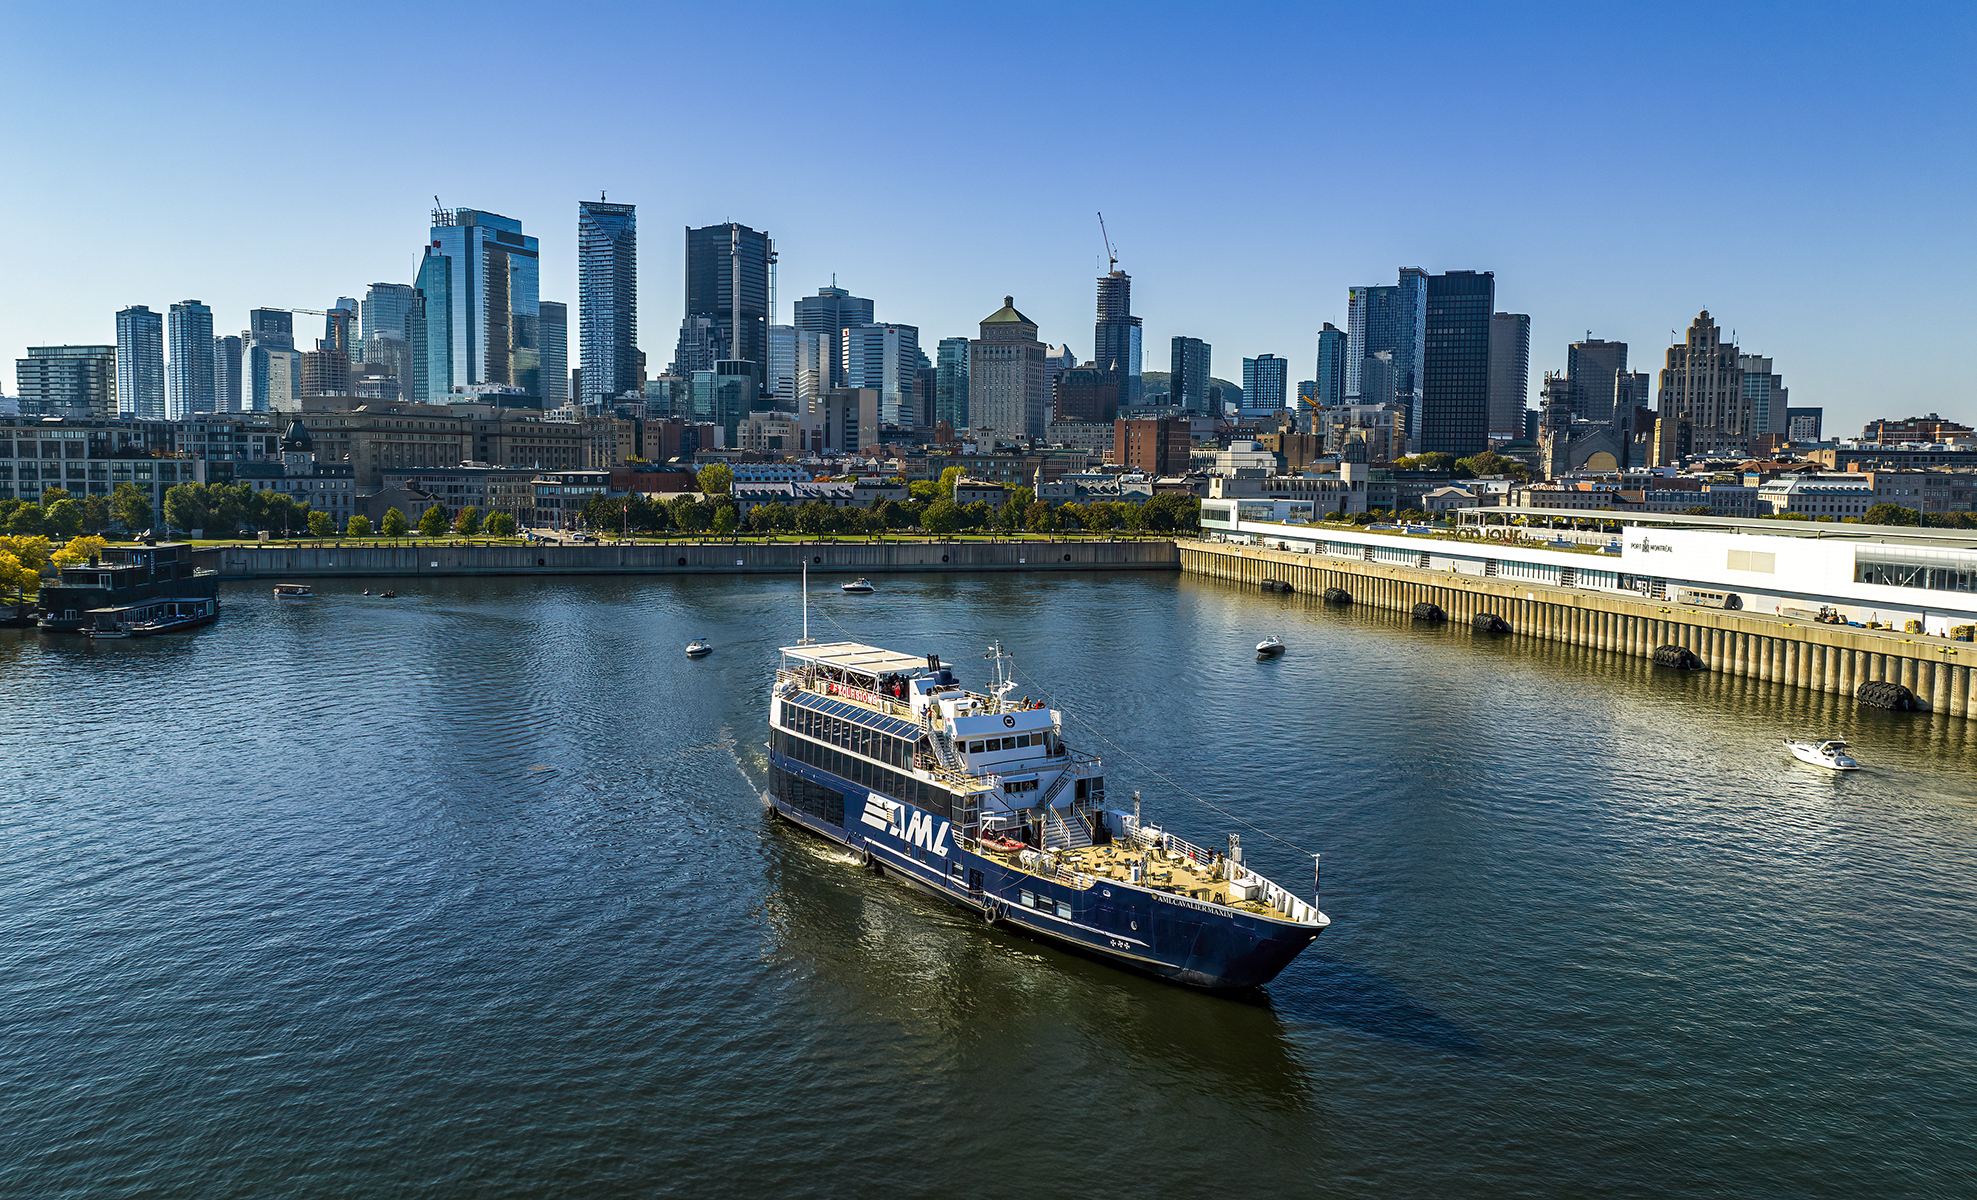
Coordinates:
[472,893]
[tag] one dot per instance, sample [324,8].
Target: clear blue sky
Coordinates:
[1804,171]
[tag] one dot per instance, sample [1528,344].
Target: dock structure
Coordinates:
[1765,646]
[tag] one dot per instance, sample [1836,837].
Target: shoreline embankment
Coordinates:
[330,560]
[1822,658]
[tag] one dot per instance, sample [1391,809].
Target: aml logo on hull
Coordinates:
[920,829]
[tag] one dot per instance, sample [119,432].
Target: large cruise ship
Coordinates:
[977,799]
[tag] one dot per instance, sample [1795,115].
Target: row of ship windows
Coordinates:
[848,735]
[868,775]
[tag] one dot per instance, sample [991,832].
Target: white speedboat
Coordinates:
[1831,754]
[859,585]
[698,648]
[293,591]
[1269,647]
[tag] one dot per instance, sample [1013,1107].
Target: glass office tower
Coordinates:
[189,380]
[481,281]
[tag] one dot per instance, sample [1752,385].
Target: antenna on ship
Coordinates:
[1003,684]
[806,604]
[1314,881]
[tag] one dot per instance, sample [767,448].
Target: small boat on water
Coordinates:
[1269,647]
[859,585]
[1831,754]
[698,648]
[293,591]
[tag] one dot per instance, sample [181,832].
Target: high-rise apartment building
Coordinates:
[226,371]
[1510,374]
[554,322]
[1056,361]
[189,376]
[1452,396]
[1266,382]
[951,393]
[1702,383]
[481,281]
[271,367]
[1802,424]
[884,357]
[727,298]
[1116,336]
[607,299]
[1006,389]
[828,314]
[1765,394]
[1189,361]
[1332,374]
[65,381]
[141,363]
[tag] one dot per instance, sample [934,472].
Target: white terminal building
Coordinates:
[1882,574]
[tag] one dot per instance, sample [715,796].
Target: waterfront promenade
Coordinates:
[1824,658]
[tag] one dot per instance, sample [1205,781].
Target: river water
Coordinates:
[473,893]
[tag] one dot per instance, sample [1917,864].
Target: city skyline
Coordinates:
[1840,116]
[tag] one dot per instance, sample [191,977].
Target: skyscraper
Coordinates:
[828,314]
[727,287]
[1056,361]
[1510,374]
[1765,394]
[141,363]
[951,383]
[271,369]
[387,309]
[226,372]
[555,326]
[1265,382]
[1394,321]
[270,364]
[799,367]
[885,357]
[1703,384]
[1189,364]
[1116,336]
[1005,376]
[1452,397]
[1332,347]
[607,298]
[189,378]
[481,280]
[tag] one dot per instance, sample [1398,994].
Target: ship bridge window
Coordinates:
[976,747]
[1020,785]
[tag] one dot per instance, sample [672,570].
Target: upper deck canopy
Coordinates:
[855,658]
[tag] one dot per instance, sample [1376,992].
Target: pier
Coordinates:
[1798,653]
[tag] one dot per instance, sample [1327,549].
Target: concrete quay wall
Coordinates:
[1823,658]
[331,560]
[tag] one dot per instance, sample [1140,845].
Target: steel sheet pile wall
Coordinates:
[1825,658]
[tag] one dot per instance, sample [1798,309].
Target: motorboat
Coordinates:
[1831,754]
[698,648]
[1270,647]
[860,585]
[293,591]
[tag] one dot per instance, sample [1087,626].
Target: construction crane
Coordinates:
[1111,254]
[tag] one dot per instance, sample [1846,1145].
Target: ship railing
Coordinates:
[1042,865]
[810,682]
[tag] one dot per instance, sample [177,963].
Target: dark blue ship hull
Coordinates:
[1172,937]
